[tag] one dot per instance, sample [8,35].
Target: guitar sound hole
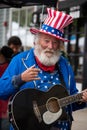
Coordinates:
[53,105]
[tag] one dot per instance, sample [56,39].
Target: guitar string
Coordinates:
[73,97]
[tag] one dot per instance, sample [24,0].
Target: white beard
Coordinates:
[43,58]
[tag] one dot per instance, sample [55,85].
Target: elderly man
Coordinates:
[41,68]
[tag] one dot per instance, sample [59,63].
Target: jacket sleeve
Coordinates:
[68,75]
[74,90]
[71,81]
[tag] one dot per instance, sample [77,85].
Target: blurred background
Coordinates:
[18,16]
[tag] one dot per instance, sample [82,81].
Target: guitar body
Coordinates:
[27,108]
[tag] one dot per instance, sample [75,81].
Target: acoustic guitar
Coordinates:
[32,109]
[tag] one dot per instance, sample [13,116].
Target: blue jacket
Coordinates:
[23,61]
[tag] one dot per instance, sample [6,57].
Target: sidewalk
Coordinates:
[80,120]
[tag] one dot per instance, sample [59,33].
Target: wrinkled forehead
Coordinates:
[47,36]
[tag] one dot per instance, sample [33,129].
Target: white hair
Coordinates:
[40,53]
[36,38]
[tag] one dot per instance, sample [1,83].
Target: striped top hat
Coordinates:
[54,24]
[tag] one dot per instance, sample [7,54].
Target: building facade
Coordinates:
[16,21]
[4,20]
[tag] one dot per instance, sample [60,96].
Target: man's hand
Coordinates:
[30,74]
[84,96]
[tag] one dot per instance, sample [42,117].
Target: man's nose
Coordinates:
[50,45]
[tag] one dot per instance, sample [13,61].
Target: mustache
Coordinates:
[48,50]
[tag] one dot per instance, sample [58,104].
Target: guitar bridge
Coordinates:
[36,111]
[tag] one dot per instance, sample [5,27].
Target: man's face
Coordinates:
[47,49]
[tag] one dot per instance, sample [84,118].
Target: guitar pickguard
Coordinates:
[49,117]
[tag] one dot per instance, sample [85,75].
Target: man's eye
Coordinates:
[54,42]
[46,40]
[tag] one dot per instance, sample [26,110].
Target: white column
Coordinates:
[26,25]
[4,28]
[10,23]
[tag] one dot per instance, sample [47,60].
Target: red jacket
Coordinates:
[3,104]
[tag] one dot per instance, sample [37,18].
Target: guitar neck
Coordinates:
[70,99]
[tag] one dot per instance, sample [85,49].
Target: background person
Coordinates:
[5,58]
[15,43]
[43,66]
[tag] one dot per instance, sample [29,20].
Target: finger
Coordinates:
[84,96]
[33,73]
[34,78]
[33,66]
[33,69]
[84,90]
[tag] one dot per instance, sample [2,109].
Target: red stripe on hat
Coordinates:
[48,11]
[51,14]
[57,21]
[51,20]
[53,17]
[69,20]
[48,17]
[65,21]
[45,21]
[62,22]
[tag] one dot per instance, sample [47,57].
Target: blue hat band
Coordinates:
[52,30]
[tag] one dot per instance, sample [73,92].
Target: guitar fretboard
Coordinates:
[70,99]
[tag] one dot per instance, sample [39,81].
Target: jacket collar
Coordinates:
[29,59]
